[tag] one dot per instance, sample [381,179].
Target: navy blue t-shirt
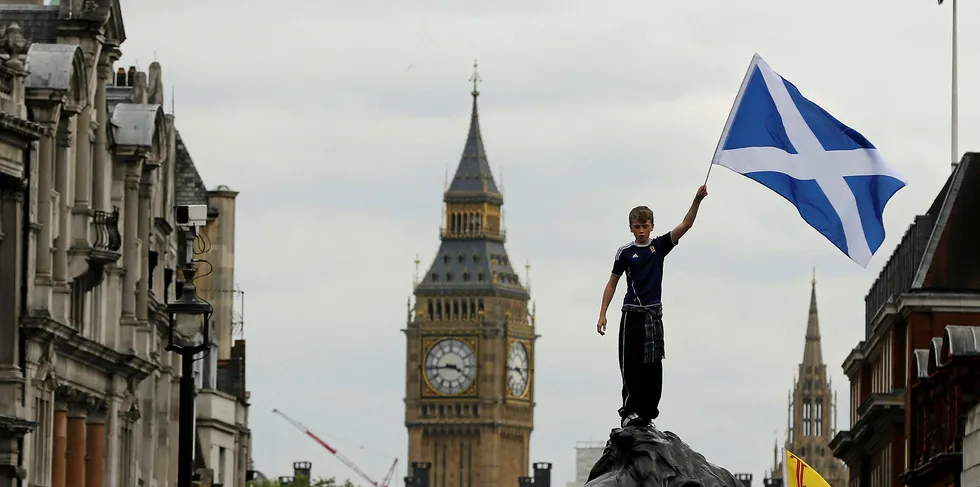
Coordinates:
[644,268]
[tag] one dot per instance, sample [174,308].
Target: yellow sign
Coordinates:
[798,474]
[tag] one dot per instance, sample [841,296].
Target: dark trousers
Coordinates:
[642,383]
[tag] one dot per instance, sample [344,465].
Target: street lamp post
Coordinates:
[189,319]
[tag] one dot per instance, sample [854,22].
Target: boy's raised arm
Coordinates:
[692,214]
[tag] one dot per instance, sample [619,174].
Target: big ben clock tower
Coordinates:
[469,392]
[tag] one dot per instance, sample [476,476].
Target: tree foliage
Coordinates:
[302,481]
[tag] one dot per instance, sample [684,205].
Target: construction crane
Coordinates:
[342,458]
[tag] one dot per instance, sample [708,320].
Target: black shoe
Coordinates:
[636,421]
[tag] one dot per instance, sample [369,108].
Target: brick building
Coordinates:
[931,281]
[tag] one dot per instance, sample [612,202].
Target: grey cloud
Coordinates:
[340,151]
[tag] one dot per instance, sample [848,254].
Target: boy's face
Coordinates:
[641,230]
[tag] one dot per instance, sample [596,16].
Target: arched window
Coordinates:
[806,417]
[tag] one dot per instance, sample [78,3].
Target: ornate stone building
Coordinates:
[89,164]
[812,415]
[469,396]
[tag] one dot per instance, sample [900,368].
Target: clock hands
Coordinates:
[450,367]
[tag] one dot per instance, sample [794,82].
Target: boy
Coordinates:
[641,332]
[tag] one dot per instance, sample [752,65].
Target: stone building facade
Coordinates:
[89,170]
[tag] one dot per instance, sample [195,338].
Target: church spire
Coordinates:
[473,181]
[812,350]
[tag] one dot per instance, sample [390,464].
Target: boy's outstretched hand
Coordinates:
[702,192]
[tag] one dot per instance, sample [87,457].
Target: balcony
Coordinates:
[878,414]
[99,248]
[106,239]
[446,234]
[899,272]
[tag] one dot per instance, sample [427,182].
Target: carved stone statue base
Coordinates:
[647,457]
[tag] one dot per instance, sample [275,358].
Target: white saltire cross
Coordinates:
[813,162]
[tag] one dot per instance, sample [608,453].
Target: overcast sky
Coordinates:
[337,121]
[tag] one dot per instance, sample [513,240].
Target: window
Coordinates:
[77,311]
[806,417]
[819,417]
[221,465]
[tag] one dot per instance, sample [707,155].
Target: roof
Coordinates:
[949,261]
[477,265]
[137,124]
[956,341]
[56,67]
[473,180]
[189,188]
[916,250]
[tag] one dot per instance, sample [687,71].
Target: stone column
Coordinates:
[61,213]
[45,175]
[59,446]
[146,193]
[95,448]
[130,243]
[81,208]
[11,228]
[75,476]
[101,171]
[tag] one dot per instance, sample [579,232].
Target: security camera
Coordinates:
[191,216]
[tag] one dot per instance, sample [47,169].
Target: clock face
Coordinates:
[450,366]
[517,369]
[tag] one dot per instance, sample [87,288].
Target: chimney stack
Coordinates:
[302,469]
[542,474]
[421,473]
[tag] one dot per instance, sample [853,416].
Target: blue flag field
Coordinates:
[833,175]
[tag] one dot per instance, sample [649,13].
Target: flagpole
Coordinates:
[954,109]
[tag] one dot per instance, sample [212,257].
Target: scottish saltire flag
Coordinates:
[798,474]
[833,175]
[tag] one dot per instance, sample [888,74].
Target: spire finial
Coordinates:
[417,262]
[475,79]
[813,281]
[527,274]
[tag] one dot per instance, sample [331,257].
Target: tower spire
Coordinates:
[812,349]
[473,181]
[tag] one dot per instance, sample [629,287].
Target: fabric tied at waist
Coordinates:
[653,330]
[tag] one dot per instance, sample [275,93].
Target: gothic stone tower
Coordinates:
[813,407]
[469,392]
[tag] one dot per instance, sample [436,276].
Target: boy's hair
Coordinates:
[641,214]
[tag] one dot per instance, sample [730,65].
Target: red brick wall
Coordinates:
[923,327]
